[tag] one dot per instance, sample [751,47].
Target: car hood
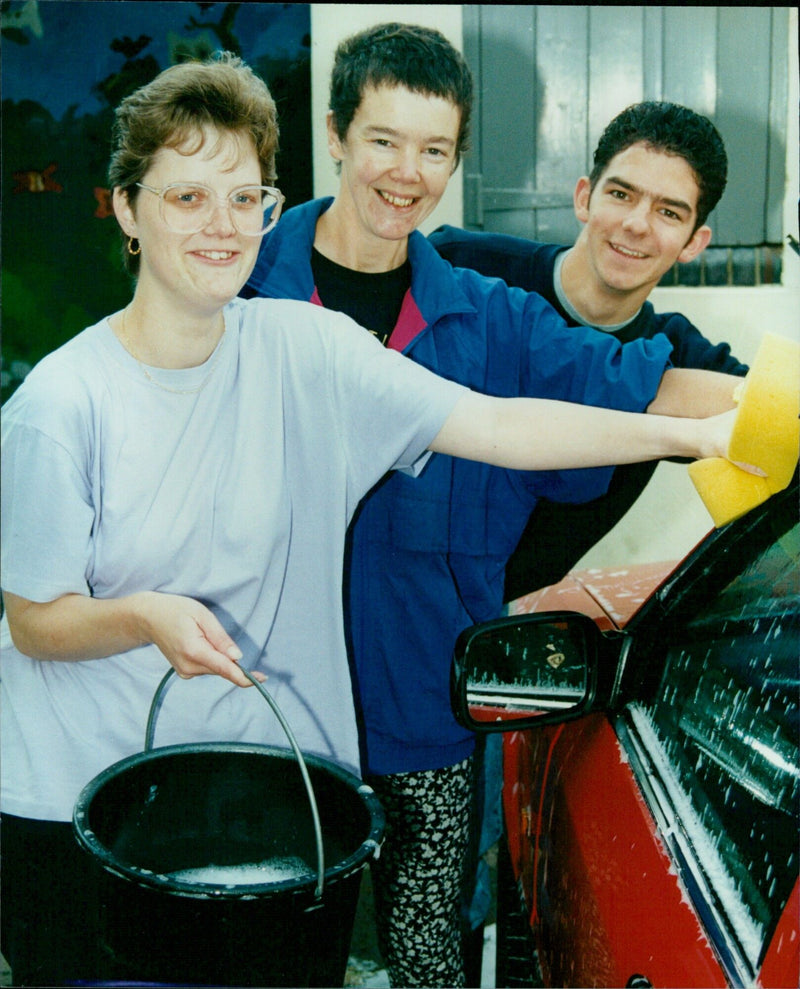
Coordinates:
[609,595]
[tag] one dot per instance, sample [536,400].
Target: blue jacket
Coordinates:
[558,535]
[427,554]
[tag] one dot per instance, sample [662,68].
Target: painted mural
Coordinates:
[65,65]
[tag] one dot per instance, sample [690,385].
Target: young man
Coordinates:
[659,170]
[427,553]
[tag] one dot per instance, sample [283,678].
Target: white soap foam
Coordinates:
[272,870]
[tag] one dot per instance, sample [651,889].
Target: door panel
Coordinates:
[601,870]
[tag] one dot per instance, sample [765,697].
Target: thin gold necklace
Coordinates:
[175,391]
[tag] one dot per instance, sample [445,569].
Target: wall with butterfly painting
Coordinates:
[66,65]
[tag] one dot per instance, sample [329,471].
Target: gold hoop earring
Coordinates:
[138,250]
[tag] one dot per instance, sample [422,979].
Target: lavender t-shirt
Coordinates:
[231,483]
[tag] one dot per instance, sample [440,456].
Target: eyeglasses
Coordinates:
[187,208]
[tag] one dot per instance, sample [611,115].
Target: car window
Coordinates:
[722,739]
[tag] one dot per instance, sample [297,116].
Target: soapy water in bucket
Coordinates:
[271,870]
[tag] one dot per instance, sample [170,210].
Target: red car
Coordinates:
[651,773]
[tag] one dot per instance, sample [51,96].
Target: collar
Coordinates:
[571,311]
[435,284]
[283,269]
[283,266]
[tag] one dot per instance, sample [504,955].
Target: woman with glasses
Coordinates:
[177,482]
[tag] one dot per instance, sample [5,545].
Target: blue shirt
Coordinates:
[427,554]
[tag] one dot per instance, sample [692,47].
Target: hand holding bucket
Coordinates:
[149,820]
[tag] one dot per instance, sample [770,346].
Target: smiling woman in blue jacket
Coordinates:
[427,553]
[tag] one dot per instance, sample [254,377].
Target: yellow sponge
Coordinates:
[766,434]
[728,492]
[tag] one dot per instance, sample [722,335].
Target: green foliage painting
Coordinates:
[66,65]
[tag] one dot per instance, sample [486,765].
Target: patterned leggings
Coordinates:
[419,875]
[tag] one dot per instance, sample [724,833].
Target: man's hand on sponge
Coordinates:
[765,435]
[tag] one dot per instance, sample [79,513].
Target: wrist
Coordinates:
[701,443]
[139,626]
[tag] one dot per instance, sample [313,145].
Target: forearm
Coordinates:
[76,627]
[693,393]
[540,434]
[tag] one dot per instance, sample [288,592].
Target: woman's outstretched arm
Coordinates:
[543,434]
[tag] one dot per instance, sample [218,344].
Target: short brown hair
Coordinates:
[169,112]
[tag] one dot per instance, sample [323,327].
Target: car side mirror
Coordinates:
[525,671]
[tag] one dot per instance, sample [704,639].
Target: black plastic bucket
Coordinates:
[256,914]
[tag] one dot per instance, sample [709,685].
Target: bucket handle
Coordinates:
[148,745]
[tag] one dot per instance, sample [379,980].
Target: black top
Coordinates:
[373,299]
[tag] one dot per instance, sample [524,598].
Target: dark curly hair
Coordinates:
[675,130]
[418,58]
